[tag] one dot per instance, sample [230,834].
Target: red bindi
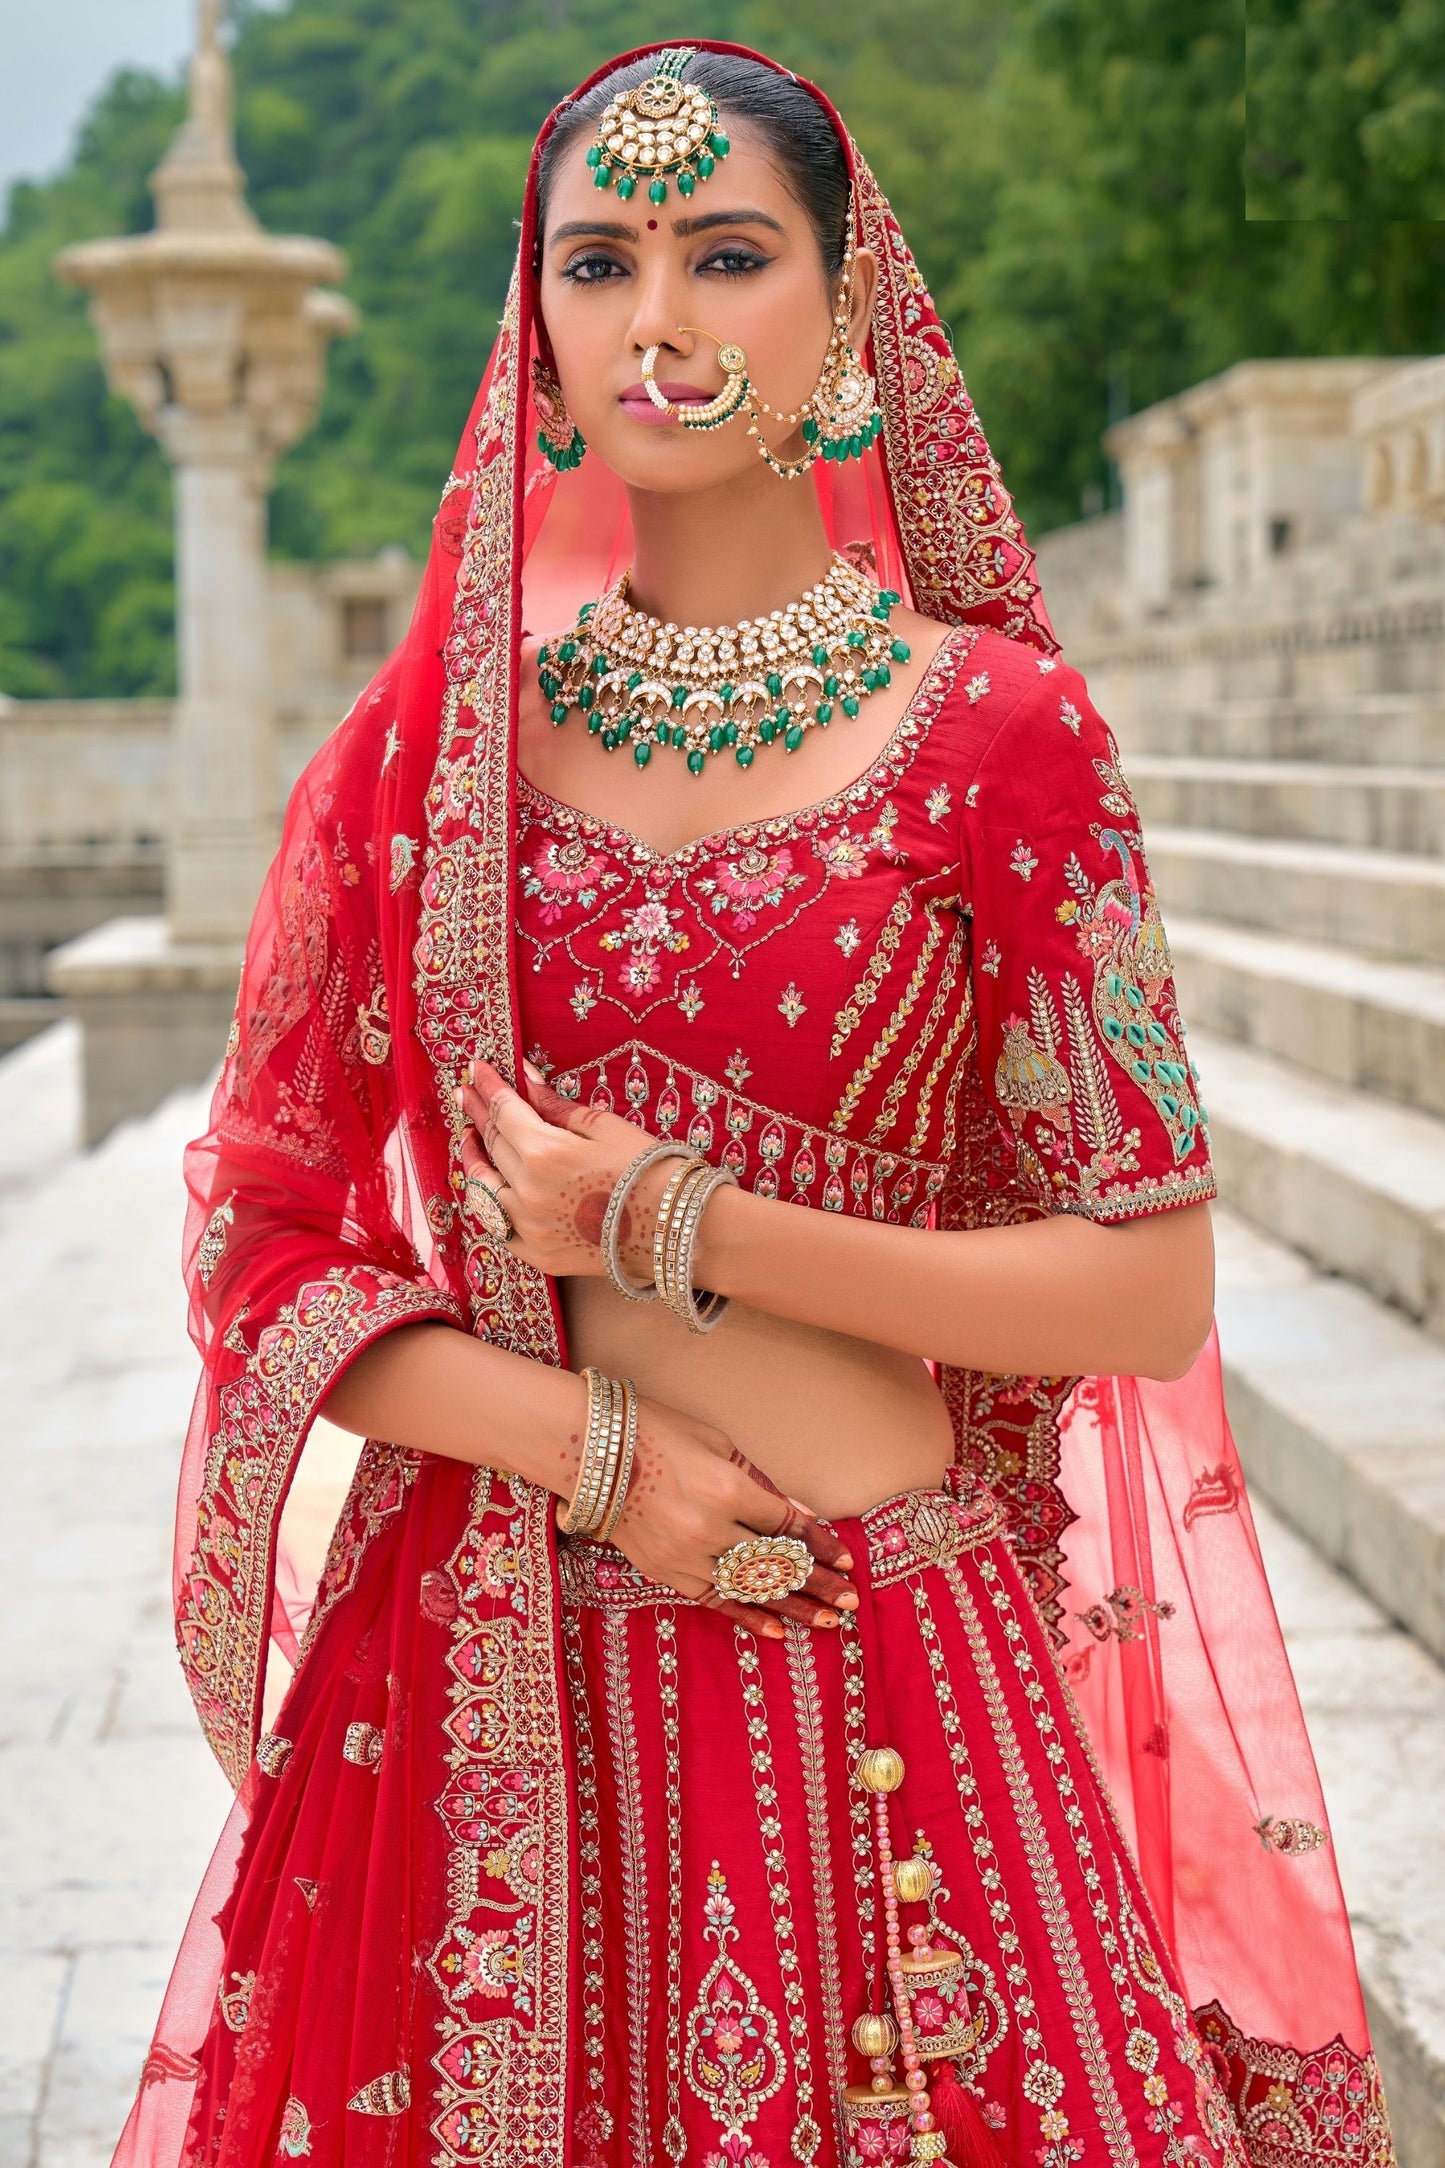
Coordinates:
[652,225]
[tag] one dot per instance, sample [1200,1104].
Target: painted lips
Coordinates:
[634,400]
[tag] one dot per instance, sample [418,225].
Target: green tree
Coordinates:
[1346,109]
[1070,173]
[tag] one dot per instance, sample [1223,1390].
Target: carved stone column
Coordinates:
[216,332]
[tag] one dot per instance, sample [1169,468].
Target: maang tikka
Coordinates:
[663,128]
[840,417]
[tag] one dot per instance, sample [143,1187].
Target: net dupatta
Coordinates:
[324,1211]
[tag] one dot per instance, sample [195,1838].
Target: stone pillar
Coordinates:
[224,812]
[216,332]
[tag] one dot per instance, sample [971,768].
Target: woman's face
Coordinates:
[739,259]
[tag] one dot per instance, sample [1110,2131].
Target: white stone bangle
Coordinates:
[612,1218]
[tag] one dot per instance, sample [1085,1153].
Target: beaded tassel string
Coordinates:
[719,689]
[883,1774]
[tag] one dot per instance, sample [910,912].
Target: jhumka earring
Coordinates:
[664,127]
[558,437]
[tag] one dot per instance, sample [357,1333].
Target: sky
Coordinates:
[56,54]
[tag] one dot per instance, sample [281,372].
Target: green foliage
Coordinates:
[1069,172]
[1346,109]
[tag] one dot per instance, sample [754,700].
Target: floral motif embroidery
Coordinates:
[583,1001]
[391,748]
[970,796]
[1323,2108]
[691,1002]
[749,882]
[1045,663]
[295,2137]
[991,958]
[1121,1615]
[563,875]
[1069,716]
[732,2060]
[212,1245]
[1290,1835]
[390,2094]
[939,802]
[848,936]
[978,688]
[792,1005]
[737,1069]
[648,929]
[403,859]
[1023,860]
[1214,1490]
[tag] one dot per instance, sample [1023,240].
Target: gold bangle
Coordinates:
[623,1475]
[666,1207]
[669,1261]
[679,1293]
[599,1449]
[679,1241]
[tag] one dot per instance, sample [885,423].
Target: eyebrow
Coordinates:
[684,228]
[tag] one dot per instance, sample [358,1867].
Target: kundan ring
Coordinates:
[485,1205]
[760,1569]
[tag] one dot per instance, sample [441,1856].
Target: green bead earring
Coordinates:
[558,436]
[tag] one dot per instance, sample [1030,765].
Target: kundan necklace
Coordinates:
[723,688]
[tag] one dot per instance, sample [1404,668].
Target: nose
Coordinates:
[656,317]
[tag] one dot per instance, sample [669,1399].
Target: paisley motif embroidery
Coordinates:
[732,2060]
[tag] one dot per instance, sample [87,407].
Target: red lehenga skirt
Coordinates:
[727,1925]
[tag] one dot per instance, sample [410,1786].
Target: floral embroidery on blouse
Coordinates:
[565,874]
[1023,860]
[648,930]
[792,1005]
[749,882]
[939,803]
[978,688]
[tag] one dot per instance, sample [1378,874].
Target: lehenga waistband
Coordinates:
[912,1528]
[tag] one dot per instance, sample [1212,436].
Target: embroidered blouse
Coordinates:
[956,962]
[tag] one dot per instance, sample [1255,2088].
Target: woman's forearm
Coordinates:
[1062,1296]
[436,1388]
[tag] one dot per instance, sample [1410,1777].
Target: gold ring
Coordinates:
[760,1569]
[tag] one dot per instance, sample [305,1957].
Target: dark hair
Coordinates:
[794,127]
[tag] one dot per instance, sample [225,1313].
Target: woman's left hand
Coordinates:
[553,1164]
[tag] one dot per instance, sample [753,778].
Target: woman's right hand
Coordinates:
[692,1494]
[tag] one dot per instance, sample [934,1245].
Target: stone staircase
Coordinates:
[1299,854]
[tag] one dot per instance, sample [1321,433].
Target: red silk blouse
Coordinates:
[816,999]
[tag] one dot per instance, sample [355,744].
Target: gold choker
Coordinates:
[711,689]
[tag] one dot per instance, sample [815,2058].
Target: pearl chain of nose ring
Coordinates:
[709,414]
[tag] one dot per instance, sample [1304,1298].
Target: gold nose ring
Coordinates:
[712,413]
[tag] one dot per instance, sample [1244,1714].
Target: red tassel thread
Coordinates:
[971,2143]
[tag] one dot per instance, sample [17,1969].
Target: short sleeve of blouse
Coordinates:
[1080,1041]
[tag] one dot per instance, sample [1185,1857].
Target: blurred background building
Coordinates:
[1255,589]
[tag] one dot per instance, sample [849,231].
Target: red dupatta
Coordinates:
[325,1211]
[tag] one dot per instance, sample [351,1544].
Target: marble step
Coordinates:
[1375,808]
[1356,1184]
[1337,1404]
[1378,729]
[1374,1701]
[1385,903]
[1375,1026]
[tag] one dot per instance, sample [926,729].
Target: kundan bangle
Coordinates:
[679,1217]
[612,1217]
[601,1453]
[623,1475]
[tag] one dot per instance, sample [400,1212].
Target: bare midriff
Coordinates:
[837,1422]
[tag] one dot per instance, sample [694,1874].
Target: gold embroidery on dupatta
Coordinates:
[498,2072]
[223,1615]
[962,542]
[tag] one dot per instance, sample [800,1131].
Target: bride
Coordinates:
[786,1685]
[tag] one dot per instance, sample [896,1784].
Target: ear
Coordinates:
[865,291]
